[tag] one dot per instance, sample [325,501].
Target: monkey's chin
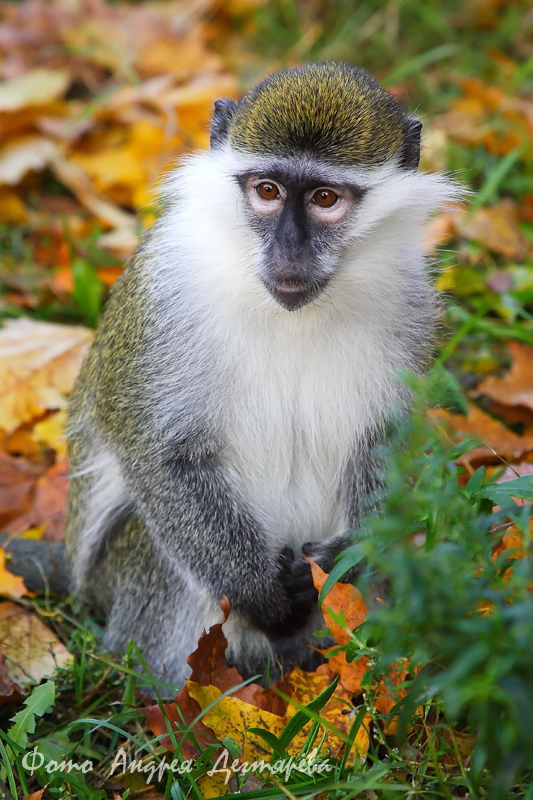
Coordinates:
[293,295]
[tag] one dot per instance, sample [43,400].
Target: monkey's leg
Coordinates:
[148,602]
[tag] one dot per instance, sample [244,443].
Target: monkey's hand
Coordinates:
[325,553]
[300,595]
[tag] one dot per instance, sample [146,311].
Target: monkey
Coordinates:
[225,423]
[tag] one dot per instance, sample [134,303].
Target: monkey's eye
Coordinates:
[325,198]
[267,191]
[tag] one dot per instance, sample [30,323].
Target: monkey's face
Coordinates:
[302,214]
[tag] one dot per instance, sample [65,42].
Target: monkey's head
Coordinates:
[310,144]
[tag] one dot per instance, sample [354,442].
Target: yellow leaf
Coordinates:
[10,585]
[12,209]
[51,432]
[178,56]
[307,686]
[72,176]
[110,167]
[35,533]
[37,87]
[213,785]
[232,717]
[39,363]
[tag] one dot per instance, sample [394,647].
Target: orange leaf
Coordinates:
[499,441]
[515,388]
[37,795]
[49,505]
[342,598]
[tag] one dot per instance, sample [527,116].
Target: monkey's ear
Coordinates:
[410,155]
[224,111]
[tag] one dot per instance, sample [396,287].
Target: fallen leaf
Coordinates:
[342,599]
[18,478]
[51,433]
[10,692]
[252,706]
[12,209]
[36,87]
[39,363]
[495,227]
[515,388]
[498,442]
[48,506]
[37,795]
[31,651]
[307,686]
[79,184]
[24,154]
[10,585]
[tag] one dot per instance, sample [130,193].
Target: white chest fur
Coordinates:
[305,388]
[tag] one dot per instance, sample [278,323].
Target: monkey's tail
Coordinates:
[41,565]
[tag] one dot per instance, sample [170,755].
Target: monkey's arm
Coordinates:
[199,521]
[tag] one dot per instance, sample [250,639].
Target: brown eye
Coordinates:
[325,198]
[267,191]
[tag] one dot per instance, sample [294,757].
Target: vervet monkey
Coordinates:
[224,422]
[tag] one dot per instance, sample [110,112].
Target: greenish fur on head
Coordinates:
[333,112]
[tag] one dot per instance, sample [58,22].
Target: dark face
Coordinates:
[302,219]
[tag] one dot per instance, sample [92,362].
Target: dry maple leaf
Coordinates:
[346,600]
[37,795]
[251,706]
[48,506]
[39,363]
[498,441]
[515,388]
[18,477]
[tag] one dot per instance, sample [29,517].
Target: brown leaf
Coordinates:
[80,185]
[495,227]
[515,388]
[208,663]
[10,692]
[182,711]
[498,441]
[31,650]
[35,795]
[49,505]
[17,484]
[38,365]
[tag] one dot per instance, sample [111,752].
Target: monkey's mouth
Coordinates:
[295,294]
